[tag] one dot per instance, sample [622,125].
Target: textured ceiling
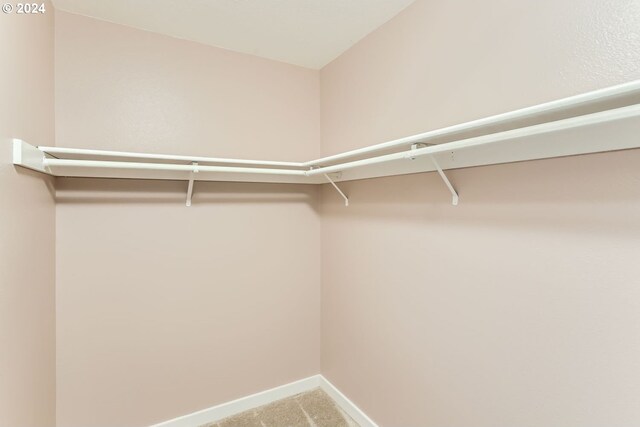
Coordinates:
[310,33]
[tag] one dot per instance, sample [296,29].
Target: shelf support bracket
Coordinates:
[30,157]
[346,199]
[191,181]
[454,193]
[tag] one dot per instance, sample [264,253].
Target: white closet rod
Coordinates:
[60,151]
[576,101]
[165,167]
[630,89]
[540,129]
[559,125]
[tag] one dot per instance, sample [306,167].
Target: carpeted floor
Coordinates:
[311,409]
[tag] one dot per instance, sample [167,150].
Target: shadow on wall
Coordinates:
[591,193]
[594,193]
[113,191]
[47,181]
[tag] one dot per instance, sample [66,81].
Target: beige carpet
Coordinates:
[311,409]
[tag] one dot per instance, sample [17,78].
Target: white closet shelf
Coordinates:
[598,121]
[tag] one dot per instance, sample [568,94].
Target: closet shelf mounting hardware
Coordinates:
[191,181]
[454,193]
[346,199]
[599,121]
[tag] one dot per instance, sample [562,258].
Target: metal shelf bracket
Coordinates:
[191,181]
[346,199]
[454,193]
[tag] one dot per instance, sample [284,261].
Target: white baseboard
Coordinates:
[345,404]
[237,406]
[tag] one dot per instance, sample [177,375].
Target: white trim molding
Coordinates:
[246,403]
[345,404]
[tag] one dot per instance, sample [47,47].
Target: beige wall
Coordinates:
[27,225]
[163,309]
[518,307]
[118,88]
[521,305]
